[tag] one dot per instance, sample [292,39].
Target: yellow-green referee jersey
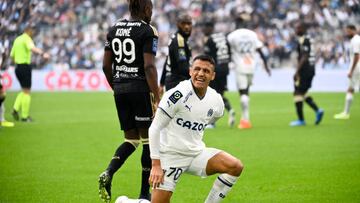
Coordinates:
[21,50]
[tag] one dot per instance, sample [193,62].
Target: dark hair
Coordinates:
[204,57]
[137,7]
[351,27]
[183,16]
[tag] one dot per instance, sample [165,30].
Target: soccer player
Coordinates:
[244,45]
[354,70]
[130,48]
[217,46]
[304,75]
[177,63]
[21,51]
[182,116]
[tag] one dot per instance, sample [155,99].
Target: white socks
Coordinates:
[348,101]
[221,187]
[244,100]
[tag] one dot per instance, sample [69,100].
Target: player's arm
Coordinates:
[41,52]
[305,53]
[353,65]
[161,120]
[163,77]
[107,67]
[262,56]
[151,75]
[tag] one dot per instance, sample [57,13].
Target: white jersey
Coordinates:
[189,116]
[243,43]
[355,49]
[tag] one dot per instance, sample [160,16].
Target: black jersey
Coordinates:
[128,41]
[218,48]
[306,46]
[176,67]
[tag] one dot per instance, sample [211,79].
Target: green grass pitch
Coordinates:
[58,157]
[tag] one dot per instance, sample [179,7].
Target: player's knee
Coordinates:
[244,91]
[236,167]
[134,142]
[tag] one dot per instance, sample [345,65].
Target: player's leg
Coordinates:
[173,166]
[145,165]
[23,100]
[132,140]
[25,105]
[229,169]
[144,111]
[244,81]
[18,101]
[161,196]
[300,91]
[222,88]
[353,84]
[310,101]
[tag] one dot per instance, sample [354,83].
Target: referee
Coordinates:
[21,51]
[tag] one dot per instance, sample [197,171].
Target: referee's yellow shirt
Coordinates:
[21,49]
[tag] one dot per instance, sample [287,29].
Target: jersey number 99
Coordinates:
[124,48]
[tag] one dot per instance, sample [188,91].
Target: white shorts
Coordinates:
[244,80]
[354,81]
[191,165]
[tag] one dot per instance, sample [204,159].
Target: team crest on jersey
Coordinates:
[210,112]
[175,96]
[155,45]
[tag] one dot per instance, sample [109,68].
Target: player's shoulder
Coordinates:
[178,92]
[213,94]
[355,39]
[180,40]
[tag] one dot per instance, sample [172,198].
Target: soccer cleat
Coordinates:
[27,120]
[7,124]
[319,116]
[210,126]
[105,186]
[15,115]
[244,124]
[342,116]
[297,123]
[231,120]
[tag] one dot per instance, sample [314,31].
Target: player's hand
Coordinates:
[269,73]
[46,56]
[350,75]
[161,90]
[156,175]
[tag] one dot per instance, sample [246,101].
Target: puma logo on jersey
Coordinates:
[188,107]
[190,125]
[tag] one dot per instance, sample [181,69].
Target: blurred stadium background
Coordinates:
[59,157]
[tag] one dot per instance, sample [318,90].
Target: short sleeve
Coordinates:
[108,42]
[220,107]
[356,46]
[30,44]
[170,102]
[151,41]
[258,42]
[306,46]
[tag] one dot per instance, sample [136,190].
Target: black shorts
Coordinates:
[23,74]
[135,110]
[303,84]
[219,84]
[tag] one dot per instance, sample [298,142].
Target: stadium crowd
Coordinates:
[73,31]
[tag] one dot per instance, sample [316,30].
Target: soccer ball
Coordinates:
[125,199]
